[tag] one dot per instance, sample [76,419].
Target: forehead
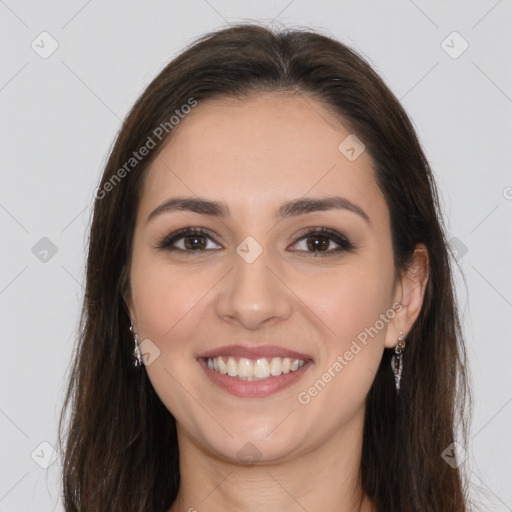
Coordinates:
[262,149]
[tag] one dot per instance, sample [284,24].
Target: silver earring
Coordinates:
[136,351]
[396,360]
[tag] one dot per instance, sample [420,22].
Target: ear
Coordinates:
[409,293]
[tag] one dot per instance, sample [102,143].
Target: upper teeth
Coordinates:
[254,369]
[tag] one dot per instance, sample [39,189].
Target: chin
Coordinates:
[249,448]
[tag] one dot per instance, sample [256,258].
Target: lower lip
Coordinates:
[255,388]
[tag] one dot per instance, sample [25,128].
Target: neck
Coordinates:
[325,478]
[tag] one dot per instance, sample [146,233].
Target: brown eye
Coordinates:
[194,242]
[188,240]
[318,243]
[323,241]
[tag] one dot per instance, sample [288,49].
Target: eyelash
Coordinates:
[344,243]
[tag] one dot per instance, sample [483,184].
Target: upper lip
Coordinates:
[254,352]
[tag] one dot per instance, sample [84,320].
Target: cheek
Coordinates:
[356,305]
[353,309]
[163,296]
[167,301]
[351,300]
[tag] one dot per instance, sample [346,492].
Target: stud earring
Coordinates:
[136,351]
[396,360]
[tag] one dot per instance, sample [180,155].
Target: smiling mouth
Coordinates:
[245,369]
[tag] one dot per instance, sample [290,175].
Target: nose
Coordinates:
[253,294]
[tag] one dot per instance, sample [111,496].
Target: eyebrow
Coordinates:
[289,209]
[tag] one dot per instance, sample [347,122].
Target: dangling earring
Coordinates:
[136,351]
[396,360]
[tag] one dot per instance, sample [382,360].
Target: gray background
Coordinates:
[59,116]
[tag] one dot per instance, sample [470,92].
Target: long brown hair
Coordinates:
[120,449]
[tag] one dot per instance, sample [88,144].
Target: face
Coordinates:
[260,283]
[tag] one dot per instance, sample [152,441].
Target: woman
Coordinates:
[269,320]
